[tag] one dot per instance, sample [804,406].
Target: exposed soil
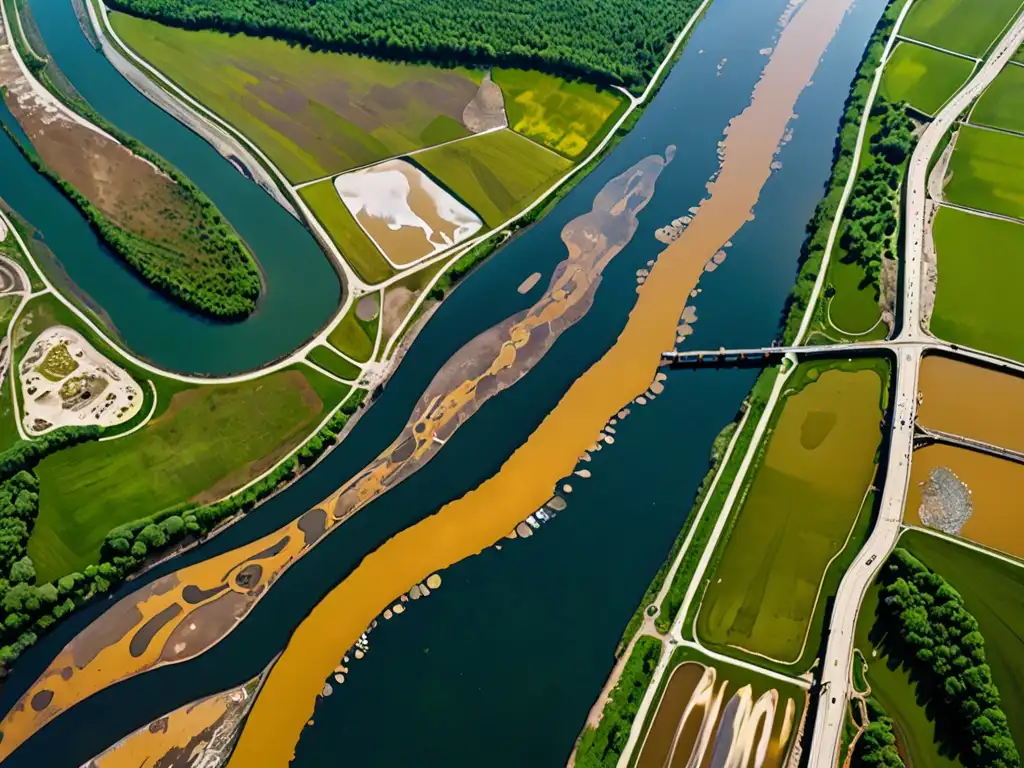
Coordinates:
[368,307]
[487,109]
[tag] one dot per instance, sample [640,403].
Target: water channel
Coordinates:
[301,290]
[502,662]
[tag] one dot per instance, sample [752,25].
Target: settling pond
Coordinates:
[501,663]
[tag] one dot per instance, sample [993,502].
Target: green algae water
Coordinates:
[501,664]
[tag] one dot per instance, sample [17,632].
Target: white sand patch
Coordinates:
[402,197]
[66,382]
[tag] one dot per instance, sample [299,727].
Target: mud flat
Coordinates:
[181,615]
[713,716]
[404,212]
[66,382]
[198,734]
[972,401]
[968,494]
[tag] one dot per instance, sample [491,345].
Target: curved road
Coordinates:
[836,671]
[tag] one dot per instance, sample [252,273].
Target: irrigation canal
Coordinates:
[503,661]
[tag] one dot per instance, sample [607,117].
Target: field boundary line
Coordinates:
[962,542]
[979,212]
[994,128]
[398,156]
[940,49]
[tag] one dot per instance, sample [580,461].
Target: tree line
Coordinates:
[616,42]
[876,747]
[930,631]
[872,214]
[812,250]
[27,609]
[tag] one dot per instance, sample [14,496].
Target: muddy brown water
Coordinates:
[972,401]
[662,732]
[997,520]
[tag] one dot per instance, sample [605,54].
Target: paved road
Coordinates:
[836,672]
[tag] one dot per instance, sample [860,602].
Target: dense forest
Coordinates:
[929,631]
[606,41]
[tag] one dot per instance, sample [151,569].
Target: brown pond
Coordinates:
[987,487]
[662,733]
[972,401]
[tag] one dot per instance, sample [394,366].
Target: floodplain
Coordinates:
[313,113]
[979,271]
[923,77]
[807,494]
[965,493]
[709,710]
[987,172]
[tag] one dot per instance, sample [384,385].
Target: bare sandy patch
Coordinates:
[404,212]
[527,285]
[66,382]
[486,111]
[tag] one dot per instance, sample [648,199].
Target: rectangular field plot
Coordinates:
[751,709]
[805,499]
[923,77]
[405,213]
[561,115]
[497,174]
[980,270]
[959,25]
[357,249]
[987,170]
[968,494]
[994,418]
[313,113]
[1002,104]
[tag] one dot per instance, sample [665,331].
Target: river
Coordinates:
[301,290]
[502,662]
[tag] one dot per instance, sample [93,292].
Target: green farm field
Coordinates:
[1002,104]
[959,25]
[358,250]
[892,687]
[353,336]
[313,113]
[853,309]
[987,170]
[331,361]
[567,117]
[923,77]
[980,271]
[203,443]
[993,591]
[808,494]
[497,174]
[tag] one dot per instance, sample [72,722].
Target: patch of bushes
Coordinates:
[601,747]
[876,747]
[930,631]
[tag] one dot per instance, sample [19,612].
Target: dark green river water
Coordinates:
[301,289]
[500,666]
